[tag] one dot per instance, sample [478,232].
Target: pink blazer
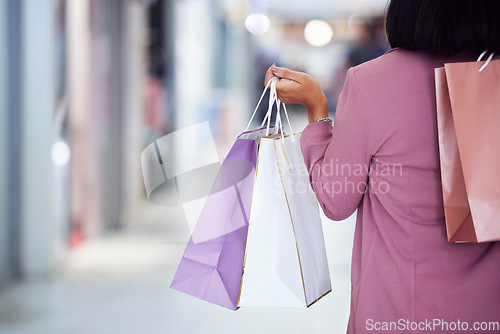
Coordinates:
[381,158]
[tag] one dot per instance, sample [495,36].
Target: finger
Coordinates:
[285,73]
[269,75]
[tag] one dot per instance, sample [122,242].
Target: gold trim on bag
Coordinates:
[293,227]
[319,297]
[278,135]
[291,219]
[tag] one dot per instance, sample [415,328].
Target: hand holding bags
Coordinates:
[285,263]
[285,254]
[468,100]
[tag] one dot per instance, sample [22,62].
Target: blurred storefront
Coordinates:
[69,111]
[86,85]
[89,84]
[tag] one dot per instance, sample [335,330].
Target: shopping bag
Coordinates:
[468,117]
[286,264]
[211,266]
[282,261]
[212,263]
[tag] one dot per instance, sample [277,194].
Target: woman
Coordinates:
[382,158]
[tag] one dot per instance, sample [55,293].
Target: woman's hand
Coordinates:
[298,87]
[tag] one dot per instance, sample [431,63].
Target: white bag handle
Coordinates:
[273,99]
[279,124]
[258,104]
[487,60]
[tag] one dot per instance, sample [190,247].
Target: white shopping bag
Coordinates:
[285,263]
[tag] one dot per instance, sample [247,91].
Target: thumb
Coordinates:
[269,75]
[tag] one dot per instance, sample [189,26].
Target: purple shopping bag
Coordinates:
[212,264]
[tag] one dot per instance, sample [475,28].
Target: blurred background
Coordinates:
[85,87]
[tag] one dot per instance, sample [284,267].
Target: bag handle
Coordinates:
[273,99]
[279,124]
[487,60]
[258,104]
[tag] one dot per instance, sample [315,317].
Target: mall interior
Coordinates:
[85,87]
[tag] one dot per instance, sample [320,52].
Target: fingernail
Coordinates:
[275,69]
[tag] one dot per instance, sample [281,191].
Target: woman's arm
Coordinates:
[337,157]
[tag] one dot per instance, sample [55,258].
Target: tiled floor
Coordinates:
[120,284]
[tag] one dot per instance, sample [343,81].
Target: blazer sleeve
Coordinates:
[338,158]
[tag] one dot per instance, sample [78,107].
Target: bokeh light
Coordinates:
[318,33]
[60,153]
[257,24]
